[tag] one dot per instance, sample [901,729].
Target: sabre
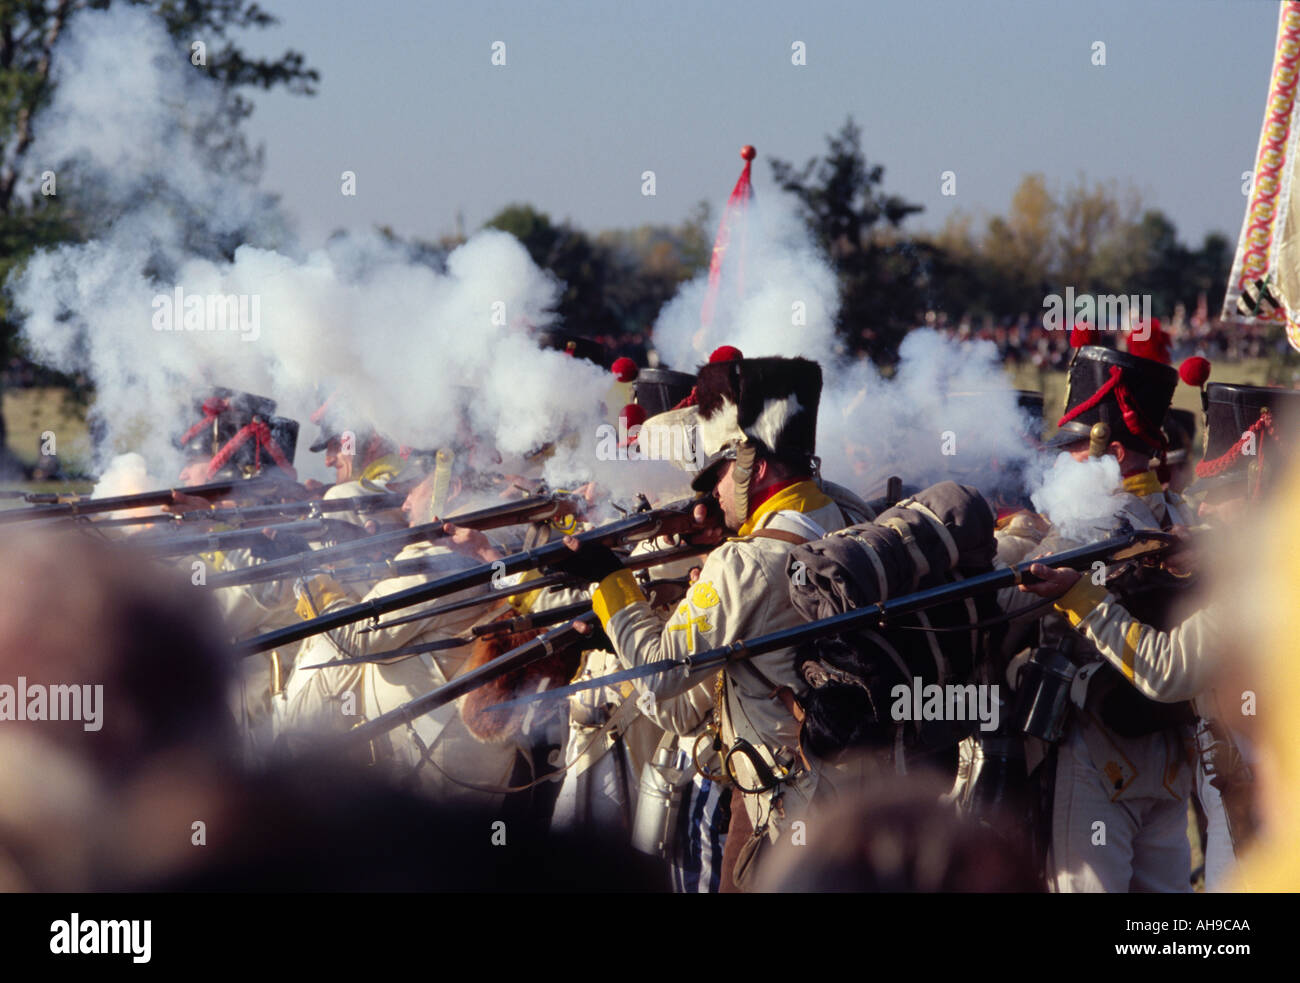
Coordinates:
[634,528]
[528,510]
[1125,547]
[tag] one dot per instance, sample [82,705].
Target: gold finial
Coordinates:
[1098,439]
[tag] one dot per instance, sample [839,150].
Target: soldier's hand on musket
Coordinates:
[1053,583]
[191,503]
[709,529]
[1182,561]
[470,542]
[591,562]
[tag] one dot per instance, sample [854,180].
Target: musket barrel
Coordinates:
[81,505]
[538,648]
[641,525]
[1142,543]
[528,510]
[640,562]
[159,546]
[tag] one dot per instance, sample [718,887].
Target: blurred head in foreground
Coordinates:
[106,665]
[899,839]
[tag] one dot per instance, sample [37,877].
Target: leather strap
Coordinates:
[793,538]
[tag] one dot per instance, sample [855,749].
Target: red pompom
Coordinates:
[747,152]
[1154,346]
[1081,334]
[632,415]
[624,369]
[1195,371]
[725,353]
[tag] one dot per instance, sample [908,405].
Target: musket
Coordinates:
[534,509]
[1129,546]
[309,529]
[623,532]
[51,504]
[249,514]
[527,622]
[533,651]
[420,565]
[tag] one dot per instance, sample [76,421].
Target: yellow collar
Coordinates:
[1143,484]
[387,466]
[803,496]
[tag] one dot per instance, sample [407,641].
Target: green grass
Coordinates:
[31,412]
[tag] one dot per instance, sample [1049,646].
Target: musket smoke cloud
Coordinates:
[427,355]
[948,410]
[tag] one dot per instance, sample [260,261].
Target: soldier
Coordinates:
[1121,782]
[239,433]
[1246,451]
[436,752]
[757,427]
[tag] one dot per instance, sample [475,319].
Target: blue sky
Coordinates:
[593,94]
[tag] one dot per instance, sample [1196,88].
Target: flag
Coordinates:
[733,222]
[1265,280]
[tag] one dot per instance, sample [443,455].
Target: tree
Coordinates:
[885,278]
[29,34]
[584,267]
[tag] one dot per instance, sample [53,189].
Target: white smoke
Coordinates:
[425,355]
[947,411]
[777,295]
[1080,497]
[127,474]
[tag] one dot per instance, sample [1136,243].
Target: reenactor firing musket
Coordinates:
[670,520]
[404,568]
[537,508]
[1134,545]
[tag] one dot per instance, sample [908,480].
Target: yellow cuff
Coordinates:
[324,591]
[523,603]
[1080,600]
[614,593]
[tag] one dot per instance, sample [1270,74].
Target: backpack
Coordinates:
[939,535]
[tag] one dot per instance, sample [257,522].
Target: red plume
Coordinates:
[1082,334]
[1154,346]
[1195,371]
[624,369]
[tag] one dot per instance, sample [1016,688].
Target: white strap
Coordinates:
[949,543]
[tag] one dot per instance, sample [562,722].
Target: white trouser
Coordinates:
[1113,839]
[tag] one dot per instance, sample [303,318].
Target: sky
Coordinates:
[592,95]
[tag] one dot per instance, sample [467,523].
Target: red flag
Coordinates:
[733,216]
